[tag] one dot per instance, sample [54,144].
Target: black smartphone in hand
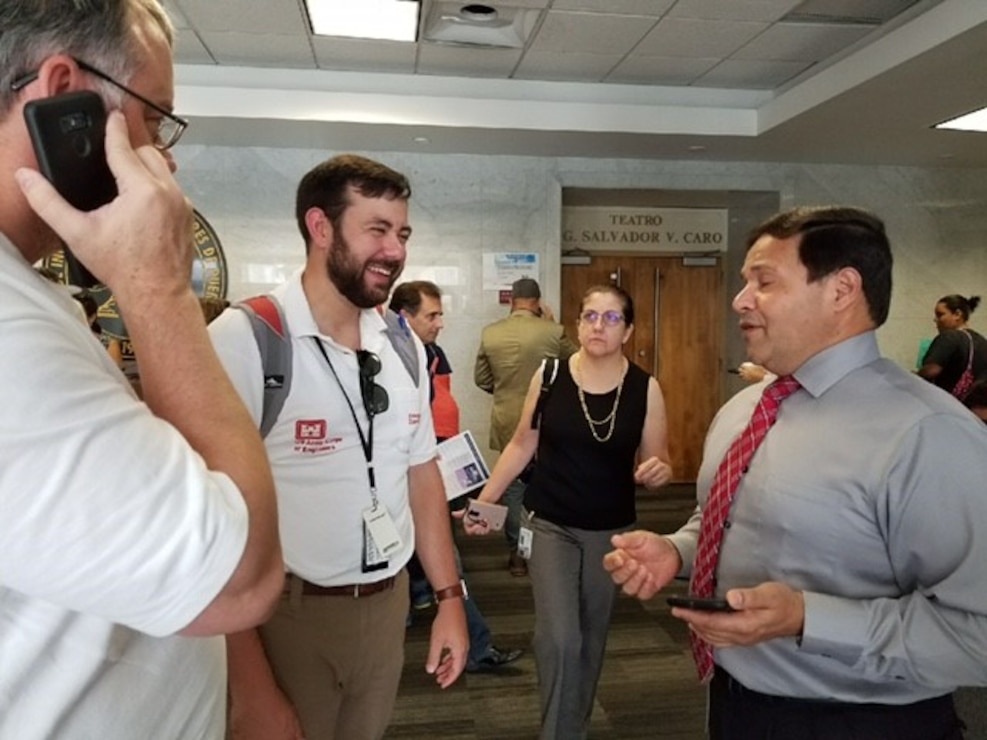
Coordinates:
[704,605]
[68,133]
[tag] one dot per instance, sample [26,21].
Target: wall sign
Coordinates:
[501,269]
[613,229]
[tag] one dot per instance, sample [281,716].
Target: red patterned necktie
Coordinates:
[721,493]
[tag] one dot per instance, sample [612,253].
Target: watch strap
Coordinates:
[455,591]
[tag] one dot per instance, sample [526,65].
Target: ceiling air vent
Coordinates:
[478,24]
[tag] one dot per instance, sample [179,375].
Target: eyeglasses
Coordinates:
[170,127]
[610,318]
[375,399]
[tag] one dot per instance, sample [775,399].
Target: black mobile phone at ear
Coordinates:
[68,133]
[704,605]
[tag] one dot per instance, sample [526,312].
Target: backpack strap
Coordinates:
[399,334]
[271,334]
[549,372]
[274,343]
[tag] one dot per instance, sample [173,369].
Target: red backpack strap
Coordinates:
[274,344]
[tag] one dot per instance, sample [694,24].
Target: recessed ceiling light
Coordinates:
[697,148]
[421,139]
[394,20]
[975,121]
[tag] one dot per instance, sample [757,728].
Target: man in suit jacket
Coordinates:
[511,351]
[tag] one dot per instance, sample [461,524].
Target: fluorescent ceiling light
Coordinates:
[394,20]
[976,121]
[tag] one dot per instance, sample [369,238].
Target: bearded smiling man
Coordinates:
[353,456]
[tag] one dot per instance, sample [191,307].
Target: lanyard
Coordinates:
[366,442]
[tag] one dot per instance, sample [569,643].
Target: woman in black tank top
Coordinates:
[599,431]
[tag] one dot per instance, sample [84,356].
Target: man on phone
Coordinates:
[131,532]
[843,519]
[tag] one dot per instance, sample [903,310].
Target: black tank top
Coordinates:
[578,481]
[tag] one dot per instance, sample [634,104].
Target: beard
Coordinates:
[348,276]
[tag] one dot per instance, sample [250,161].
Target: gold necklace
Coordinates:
[610,418]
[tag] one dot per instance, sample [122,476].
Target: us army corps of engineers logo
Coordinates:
[209,279]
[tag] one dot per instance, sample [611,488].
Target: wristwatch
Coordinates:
[453,592]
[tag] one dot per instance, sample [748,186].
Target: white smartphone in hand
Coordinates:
[480,512]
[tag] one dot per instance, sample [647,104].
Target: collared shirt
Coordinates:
[315,451]
[869,496]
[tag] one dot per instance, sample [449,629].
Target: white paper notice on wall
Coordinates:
[501,269]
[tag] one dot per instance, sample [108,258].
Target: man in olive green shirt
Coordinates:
[511,351]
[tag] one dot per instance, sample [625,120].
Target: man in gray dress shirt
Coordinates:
[854,548]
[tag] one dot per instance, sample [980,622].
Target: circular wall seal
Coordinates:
[209,279]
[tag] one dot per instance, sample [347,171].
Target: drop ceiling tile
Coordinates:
[571,66]
[175,13]
[439,59]
[733,74]
[364,55]
[268,17]
[258,50]
[189,49]
[807,42]
[874,10]
[737,10]
[530,4]
[683,37]
[653,70]
[590,33]
[653,8]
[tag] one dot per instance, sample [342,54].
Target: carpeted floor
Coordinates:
[648,688]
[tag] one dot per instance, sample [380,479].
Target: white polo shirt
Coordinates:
[319,466]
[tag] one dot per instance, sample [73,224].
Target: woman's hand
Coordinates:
[472,525]
[653,473]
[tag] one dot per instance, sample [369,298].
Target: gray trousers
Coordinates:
[574,598]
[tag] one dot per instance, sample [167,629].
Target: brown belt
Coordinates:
[354,590]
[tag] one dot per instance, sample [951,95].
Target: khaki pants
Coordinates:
[339,659]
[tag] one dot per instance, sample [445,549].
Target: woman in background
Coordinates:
[956,349]
[599,431]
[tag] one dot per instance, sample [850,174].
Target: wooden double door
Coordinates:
[678,337]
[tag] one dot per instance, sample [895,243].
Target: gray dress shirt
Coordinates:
[870,496]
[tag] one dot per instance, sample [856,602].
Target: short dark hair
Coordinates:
[408,296]
[965,306]
[327,184]
[626,302]
[834,237]
[525,288]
